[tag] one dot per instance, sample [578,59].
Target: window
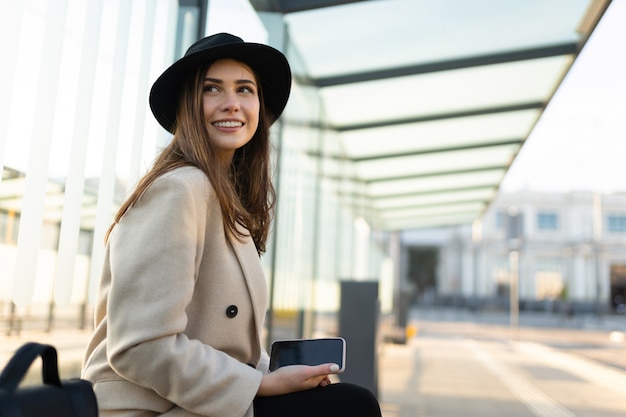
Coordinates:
[191,24]
[500,216]
[616,223]
[9,225]
[547,220]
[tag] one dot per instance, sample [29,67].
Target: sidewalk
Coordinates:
[70,345]
[465,364]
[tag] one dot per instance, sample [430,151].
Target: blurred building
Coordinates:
[571,252]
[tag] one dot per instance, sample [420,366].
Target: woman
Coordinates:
[182,295]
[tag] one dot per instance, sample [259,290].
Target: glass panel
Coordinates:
[427,31]
[432,163]
[435,182]
[443,92]
[430,199]
[462,131]
[433,218]
[433,210]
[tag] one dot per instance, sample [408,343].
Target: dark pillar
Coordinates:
[358,325]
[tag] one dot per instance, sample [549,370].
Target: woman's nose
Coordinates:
[231,102]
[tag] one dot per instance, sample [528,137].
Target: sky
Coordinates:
[579,143]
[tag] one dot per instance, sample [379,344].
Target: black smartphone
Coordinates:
[308,352]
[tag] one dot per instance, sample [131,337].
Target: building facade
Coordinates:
[557,250]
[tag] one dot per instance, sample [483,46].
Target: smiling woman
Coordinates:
[182,282]
[102,140]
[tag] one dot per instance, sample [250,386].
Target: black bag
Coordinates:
[55,398]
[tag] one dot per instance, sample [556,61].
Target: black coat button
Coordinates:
[232,311]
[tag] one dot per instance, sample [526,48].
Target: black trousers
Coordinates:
[335,400]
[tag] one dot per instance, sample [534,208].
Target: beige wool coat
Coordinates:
[179,310]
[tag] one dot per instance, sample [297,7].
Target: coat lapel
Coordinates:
[254,276]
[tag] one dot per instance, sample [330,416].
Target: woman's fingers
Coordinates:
[296,378]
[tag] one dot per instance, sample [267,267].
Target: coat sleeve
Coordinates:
[154,252]
[264,362]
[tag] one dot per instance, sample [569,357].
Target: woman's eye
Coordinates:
[246,89]
[209,88]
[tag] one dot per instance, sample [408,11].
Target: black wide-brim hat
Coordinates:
[269,64]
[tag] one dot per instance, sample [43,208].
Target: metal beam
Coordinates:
[357,180]
[390,210]
[533,105]
[378,156]
[435,174]
[470,146]
[294,6]
[382,197]
[501,58]
[418,192]
[313,124]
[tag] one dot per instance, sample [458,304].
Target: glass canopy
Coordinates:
[432,100]
[428,101]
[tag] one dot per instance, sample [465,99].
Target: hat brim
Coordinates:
[270,66]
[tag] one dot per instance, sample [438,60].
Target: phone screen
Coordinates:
[308,352]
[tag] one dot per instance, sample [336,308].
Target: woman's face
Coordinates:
[231,105]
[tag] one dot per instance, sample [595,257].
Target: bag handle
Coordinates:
[18,365]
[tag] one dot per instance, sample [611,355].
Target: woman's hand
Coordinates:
[295,378]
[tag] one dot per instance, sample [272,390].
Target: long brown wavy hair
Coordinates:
[243,186]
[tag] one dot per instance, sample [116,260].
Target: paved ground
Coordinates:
[462,364]
[467,364]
